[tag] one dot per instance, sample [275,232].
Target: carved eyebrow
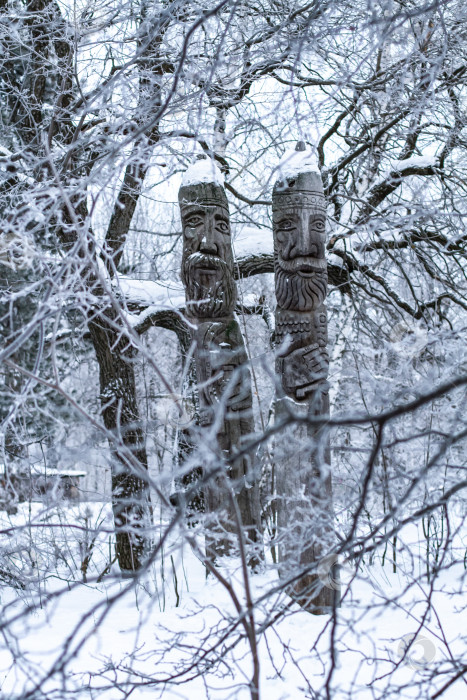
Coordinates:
[194,212]
[221,217]
[287,217]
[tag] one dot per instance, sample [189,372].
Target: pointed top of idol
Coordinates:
[298,176]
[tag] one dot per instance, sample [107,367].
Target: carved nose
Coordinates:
[306,243]
[208,242]
[208,246]
[299,245]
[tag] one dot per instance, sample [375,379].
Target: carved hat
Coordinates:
[203,184]
[299,181]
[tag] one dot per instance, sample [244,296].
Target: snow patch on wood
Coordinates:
[253,241]
[295,162]
[202,170]
[414,162]
[163,294]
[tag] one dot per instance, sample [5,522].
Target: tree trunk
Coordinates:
[130,488]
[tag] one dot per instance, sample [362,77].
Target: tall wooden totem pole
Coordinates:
[304,505]
[223,378]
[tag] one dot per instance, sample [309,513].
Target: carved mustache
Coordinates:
[209,284]
[302,264]
[205,261]
[197,263]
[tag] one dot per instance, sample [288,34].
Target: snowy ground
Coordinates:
[122,638]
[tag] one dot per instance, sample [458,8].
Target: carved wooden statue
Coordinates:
[224,383]
[303,473]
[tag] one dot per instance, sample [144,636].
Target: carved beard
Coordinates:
[299,293]
[210,287]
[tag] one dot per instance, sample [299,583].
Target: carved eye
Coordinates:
[223,226]
[286,225]
[194,220]
[318,226]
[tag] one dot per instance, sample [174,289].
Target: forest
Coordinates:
[233,320]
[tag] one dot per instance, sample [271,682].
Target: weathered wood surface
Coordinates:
[223,377]
[304,488]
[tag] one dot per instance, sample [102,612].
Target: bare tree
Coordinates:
[102,106]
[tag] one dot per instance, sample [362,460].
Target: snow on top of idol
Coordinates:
[294,162]
[202,170]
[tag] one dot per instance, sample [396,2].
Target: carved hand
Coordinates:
[303,369]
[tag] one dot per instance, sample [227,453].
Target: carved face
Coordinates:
[300,244]
[207,263]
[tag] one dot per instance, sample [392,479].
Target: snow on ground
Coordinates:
[118,635]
